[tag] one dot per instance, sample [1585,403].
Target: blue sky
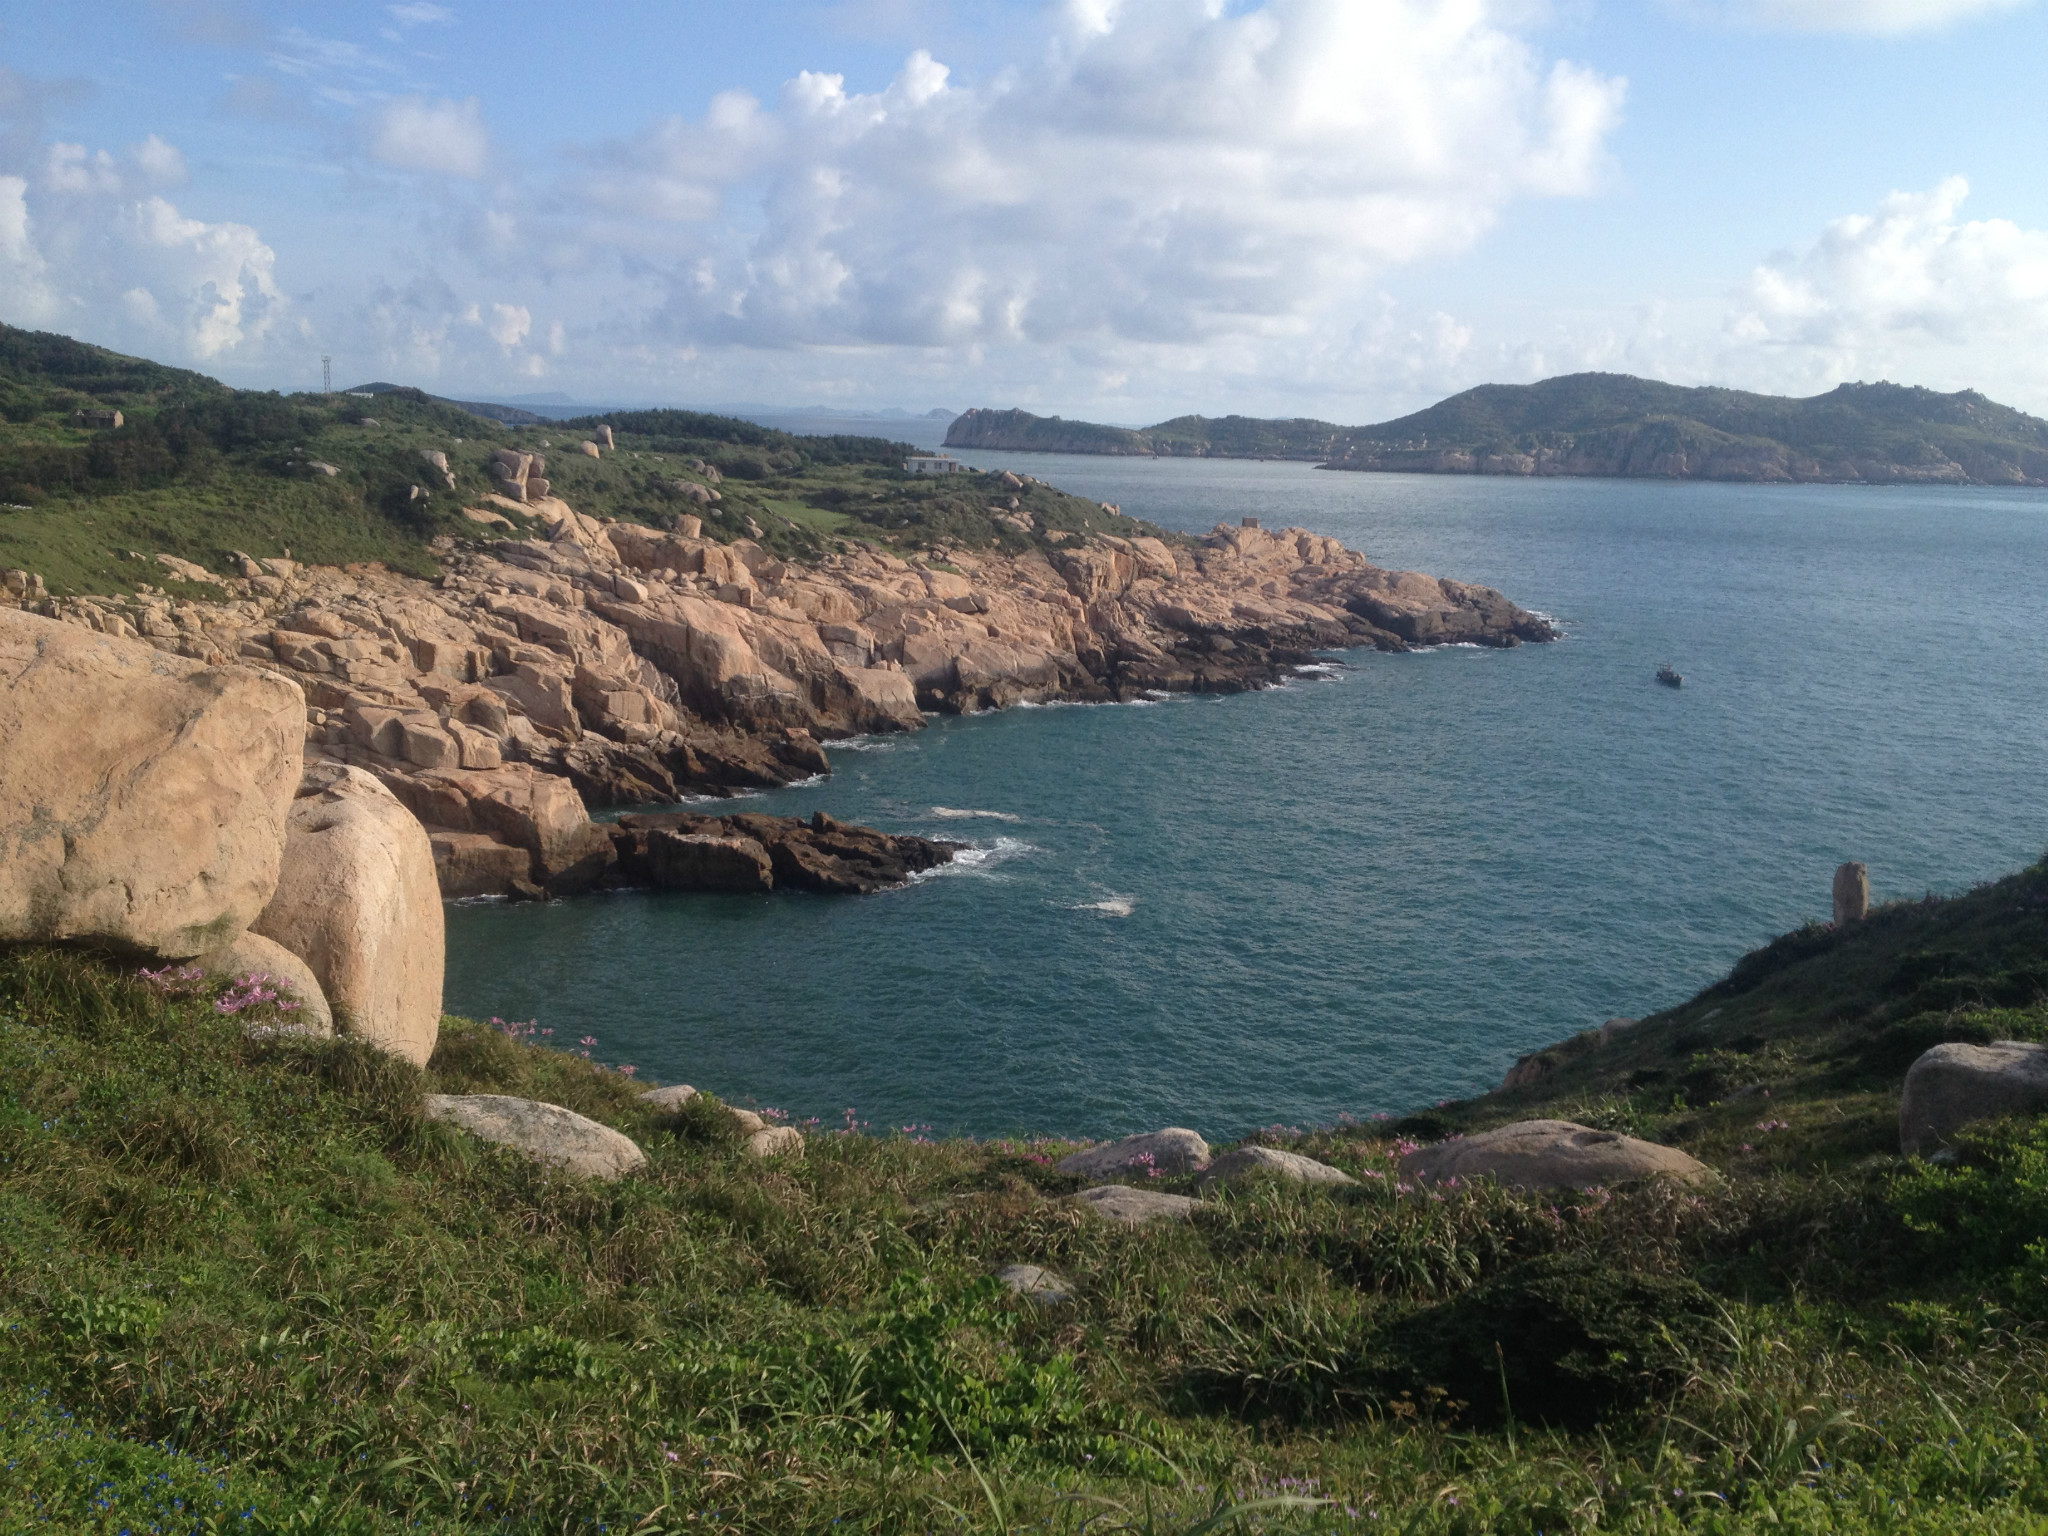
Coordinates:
[1123,209]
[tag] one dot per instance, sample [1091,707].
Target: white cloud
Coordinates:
[160,162]
[1165,173]
[1910,278]
[1875,17]
[81,251]
[445,138]
[419,14]
[509,324]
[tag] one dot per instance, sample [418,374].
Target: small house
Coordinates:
[102,421]
[934,464]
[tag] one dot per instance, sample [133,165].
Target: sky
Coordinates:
[1117,210]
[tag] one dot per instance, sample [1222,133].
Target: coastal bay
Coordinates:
[1365,894]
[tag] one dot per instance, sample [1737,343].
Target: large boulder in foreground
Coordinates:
[358,900]
[1953,1084]
[1550,1154]
[251,957]
[143,796]
[547,1133]
[1172,1151]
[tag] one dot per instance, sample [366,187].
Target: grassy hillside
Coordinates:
[245,1273]
[198,469]
[1604,424]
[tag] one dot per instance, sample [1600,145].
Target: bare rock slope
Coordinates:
[613,664]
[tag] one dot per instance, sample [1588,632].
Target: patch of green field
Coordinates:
[255,1255]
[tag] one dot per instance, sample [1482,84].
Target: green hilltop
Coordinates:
[198,470]
[1609,425]
[245,1285]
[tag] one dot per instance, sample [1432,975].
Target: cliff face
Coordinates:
[612,664]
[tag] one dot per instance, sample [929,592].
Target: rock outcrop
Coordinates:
[1134,1207]
[1951,1085]
[609,664]
[1165,1154]
[681,850]
[1029,1280]
[547,1133]
[1852,894]
[1550,1154]
[357,899]
[145,795]
[250,955]
[1245,1163]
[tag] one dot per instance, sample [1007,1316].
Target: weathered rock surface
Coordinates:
[1852,894]
[145,795]
[599,664]
[252,955]
[670,1099]
[358,901]
[1244,1163]
[1550,1154]
[547,1133]
[1040,1285]
[1954,1084]
[681,850]
[776,1141]
[1168,1152]
[1135,1207]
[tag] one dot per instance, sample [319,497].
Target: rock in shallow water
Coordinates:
[1174,1150]
[1550,1154]
[1953,1084]
[547,1133]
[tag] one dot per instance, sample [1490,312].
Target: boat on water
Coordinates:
[1670,678]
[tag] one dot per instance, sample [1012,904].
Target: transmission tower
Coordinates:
[326,374]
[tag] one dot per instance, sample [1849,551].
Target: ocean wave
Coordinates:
[1108,906]
[979,858]
[952,813]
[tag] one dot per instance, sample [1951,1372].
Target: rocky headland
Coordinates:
[613,664]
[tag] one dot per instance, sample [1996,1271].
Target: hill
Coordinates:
[244,1284]
[1609,425]
[198,470]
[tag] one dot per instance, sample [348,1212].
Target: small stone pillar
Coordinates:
[1852,894]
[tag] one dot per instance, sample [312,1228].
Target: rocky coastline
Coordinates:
[614,665]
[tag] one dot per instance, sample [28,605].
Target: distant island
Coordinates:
[1607,424]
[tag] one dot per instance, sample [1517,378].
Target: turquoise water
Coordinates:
[1370,891]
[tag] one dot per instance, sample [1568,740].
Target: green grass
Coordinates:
[199,470]
[252,1261]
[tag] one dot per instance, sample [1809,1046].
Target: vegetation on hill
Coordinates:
[1605,424]
[1223,437]
[198,470]
[242,1272]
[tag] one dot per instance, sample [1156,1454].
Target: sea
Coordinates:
[1371,888]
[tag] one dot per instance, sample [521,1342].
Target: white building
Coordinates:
[934,464]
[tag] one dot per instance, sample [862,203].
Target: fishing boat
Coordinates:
[1669,678]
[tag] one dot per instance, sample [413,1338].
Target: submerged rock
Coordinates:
[1550,1154]
[547,1133]
[682,850]
[1954,1084]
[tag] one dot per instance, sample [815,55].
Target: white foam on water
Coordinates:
[1109,906]
[979,859]
[952,813]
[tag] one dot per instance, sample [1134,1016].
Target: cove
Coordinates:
[1374,887]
